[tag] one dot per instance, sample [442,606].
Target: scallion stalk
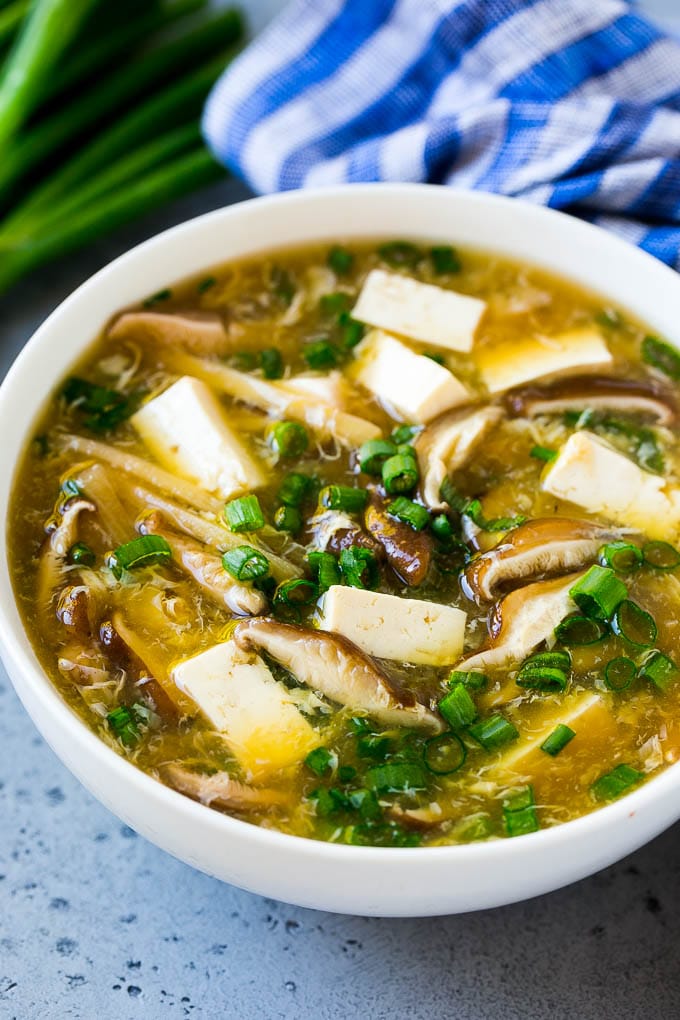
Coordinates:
[633,623]
[557,740]
[245,563]
[444,754]
[414,514]
[457,707]
[343,497]
[612,784]
[244,514]
[144,551]
[326,568]
[598,592]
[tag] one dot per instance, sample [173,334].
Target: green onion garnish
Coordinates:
[245,563]
[320,760]
[444,754]
[350,331]
[558,740]
[346,773]
[373,834]
[622,556]
[493,732]
[445,259]
[396,777]
[340,260]
[414,514]
[580,631]
[457,707]
[659,670]
[288,518]
[205,284]
[599,592]
[366,803]
[619,673]
[288,438]
[452,558]
[359,567]
[475,827]
[271,363]
[439,359]
[320,354]
[662,356]
[519,812]
[373,454]
[374,745]
[140,552]
[473,510]
[400,254]
[612,784]
[328,801]
[157,298]
[243,361]
[82,554]
[326,568]
[547,671]
[334,304]
[297,592]
[474,680]
[343,497]
[442,529]
[400,473]
[244,514]
[661,555]
[124,725]
[631,622]
[294,488]
[405,433]
[543,453]
[282,285]
[105,409]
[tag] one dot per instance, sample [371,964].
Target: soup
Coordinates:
[371,544]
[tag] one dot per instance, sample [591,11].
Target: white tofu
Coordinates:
[591,474]
[412,384]
[185,429]
[238,695]
[389,627]
[519,361]
[326,388]
[419,310]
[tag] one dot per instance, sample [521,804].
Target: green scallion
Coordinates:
[343,497]
[373,454]
[400,473]
[557,740]
[442,529]
[405,433]
[205,284]
[519,812]
[625,557]
[444,754]
[340,260]
[244,514]
[334,304]
[662,356]
[445,259]
[634,624]
[400,254]
[81,554]
[661,555]
[374,745]
[346,773]
[546,671]
[296,592]
[493,732]
[580,631]
[245,563]
[271,363]
[619,673]
[414,514]
[457,707]
[349,330]
[396,777]
[123,725]
[158,298]
[473,680]
[543,453]
[282,285]
[612,784]
[326,569]
[473,510]
[359,567]
[598,592]
[320,760]
[659,670]
[366,803]
[288,438]
[288,518]
[144,551]
[293,489]
[320,354]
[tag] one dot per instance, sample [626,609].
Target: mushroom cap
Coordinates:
[599,392]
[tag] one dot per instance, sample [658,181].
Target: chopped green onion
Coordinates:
[404,433]
[543,453]
[556,659]
[320,760]
[288,518]
[473,510]
[294,488]
[439,359]
[659,670]
[320,354]
[622,556]
[140,552]
[334,304]
[340,260]
[243,361]
[612,784]
[158,298]
[619,673]
[519,799]
[609,318]
[366,803]
[371,834]
[457,707]
[474,680]
[452,558]
[414,514]
[396,777]
[82,554]
[475,827]
[580,631]
[350,331]
[245,563]
[346,773]
[289,438]
[449,493]
[445,259]
[359,567]
[400,473]
[326,568]
[328,801]
[598,592]
[205,284]
[662,356]
[343,497]
[105,408]
[360,724]
[123,725]
[244,514]
[373,453]
[661,555]
[282,285]
[558,740]
[444,754]
[519,813]
[442,529]
[542,678]
[400,254]
[297,592]
[493,732]
[374,746]
[271,363]
[631,622]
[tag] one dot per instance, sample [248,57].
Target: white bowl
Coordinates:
[361,880]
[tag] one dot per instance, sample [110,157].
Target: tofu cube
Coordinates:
[420,311]
[408,630]
[518,361]
[185,429]
[411,384]
[593,475]
[240,698]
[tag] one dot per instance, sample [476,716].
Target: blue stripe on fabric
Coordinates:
[442,149]
[661,198]
[524,123]
[663,243]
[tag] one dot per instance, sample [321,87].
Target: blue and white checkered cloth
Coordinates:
[571,103]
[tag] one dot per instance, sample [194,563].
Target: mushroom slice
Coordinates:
[76,610]
[520,621]
[447,444]
[62,534]
[547,545]
[335,667]
[418,818]
[221,790]
[597,392]
[205,568]
[199,332]
[408,552]
[335,531]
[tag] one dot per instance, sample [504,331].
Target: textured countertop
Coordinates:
[96,922]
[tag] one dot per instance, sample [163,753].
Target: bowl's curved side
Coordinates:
[327,876]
